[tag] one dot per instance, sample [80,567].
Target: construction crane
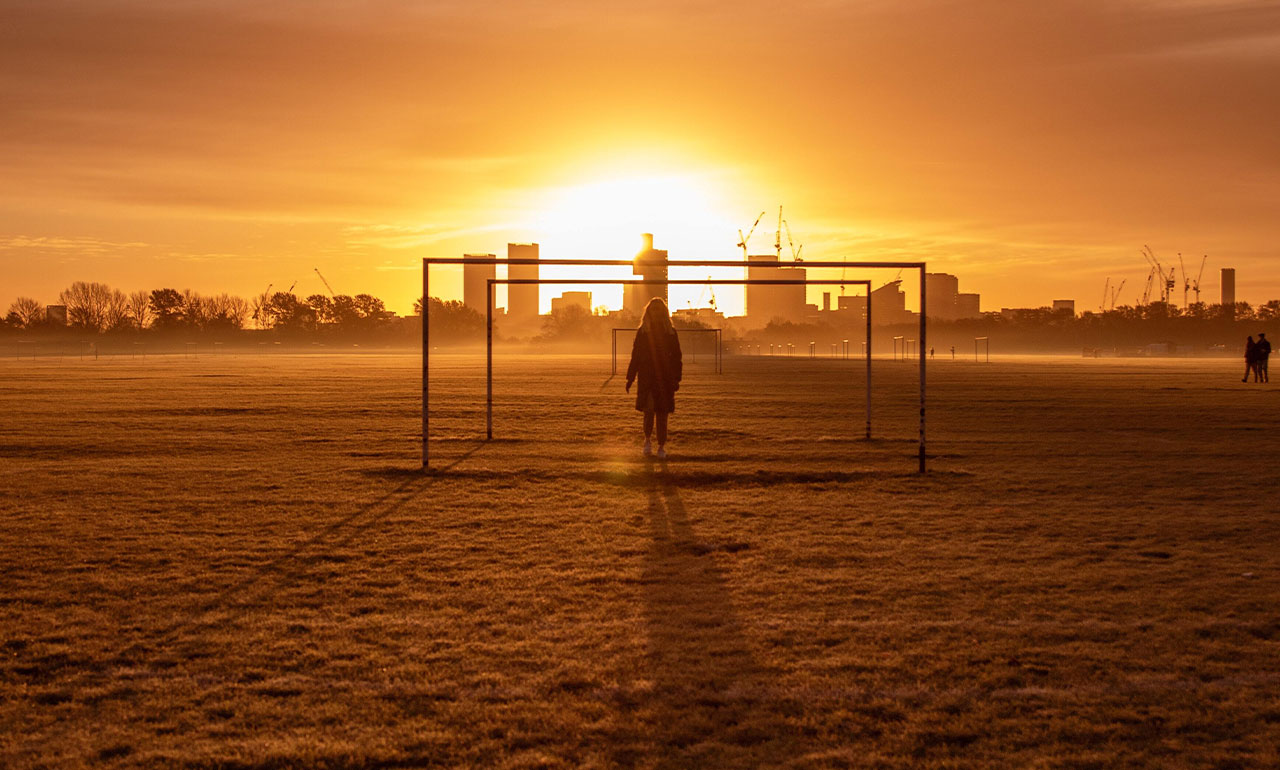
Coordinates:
[1195,285]
[795,253]
[1146,292]
[1116,293]
[1186,284]
[1166,277]
[742,239]
[1106,294]
[326,283]
[708,287]
[295,283]
[266,295]
[777,239]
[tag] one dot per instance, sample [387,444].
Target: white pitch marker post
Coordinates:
[426,318]
[986,343]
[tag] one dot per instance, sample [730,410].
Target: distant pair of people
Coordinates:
[1255,358]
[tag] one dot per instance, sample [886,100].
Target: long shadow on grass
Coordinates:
[246,594]
[710,703]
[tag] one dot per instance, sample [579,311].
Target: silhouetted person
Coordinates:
[1264,353]
[953,352]
[930,351]
[656,363]
[1250,360]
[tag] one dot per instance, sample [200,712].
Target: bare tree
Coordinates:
[140,308]
[117,312]
[225,311]
[26,312]
[86,304]
[235,309]
[196,309]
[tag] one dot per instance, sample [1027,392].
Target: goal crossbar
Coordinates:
[426,286]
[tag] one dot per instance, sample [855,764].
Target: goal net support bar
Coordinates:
[717,340]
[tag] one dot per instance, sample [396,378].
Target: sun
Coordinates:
[603,218]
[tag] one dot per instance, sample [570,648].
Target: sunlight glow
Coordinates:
[605,217]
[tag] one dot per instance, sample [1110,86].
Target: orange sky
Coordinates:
[1031,148]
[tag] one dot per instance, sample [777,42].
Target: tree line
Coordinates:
[96,308]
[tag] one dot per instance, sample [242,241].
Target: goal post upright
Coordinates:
[868,436]
[426,346]
[923,358]
[488,347]
[426,356]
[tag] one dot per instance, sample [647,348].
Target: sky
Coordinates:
[1032,149]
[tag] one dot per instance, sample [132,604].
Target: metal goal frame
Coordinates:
[427,262]
[717,332]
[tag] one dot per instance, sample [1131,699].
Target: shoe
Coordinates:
[662,453]
[648,449]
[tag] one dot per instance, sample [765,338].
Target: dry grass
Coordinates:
[233,562]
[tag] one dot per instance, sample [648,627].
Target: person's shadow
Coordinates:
[712,701]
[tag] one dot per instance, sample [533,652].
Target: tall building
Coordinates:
[581,299]
[968,306]
[522,299]
[475,283]
[650,264]
[766,302]
[941,291]
[889,304]
[1064,306]
[1228,287]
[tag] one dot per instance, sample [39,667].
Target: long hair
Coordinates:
[657,318]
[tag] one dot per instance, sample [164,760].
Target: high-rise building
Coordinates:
[1064,306]
[968,306]
[1228,287]
[941,291]
[581,299]
[766,302]
[475,283]
[649,264]
[889,304]
[522,299]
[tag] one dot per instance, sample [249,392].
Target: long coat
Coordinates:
[656,364]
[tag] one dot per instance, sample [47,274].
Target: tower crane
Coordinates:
[1116,293]
[1166,278]
[266,295]
[795,253]
[295,283]
[1186,284]
[742,239]
[1106,294]
[1195,285]
[708,287]
[777,239]
[326,283]
[1146,292]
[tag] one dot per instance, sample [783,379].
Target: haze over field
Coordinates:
[1030,148]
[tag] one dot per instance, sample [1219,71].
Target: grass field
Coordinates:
[235,562]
